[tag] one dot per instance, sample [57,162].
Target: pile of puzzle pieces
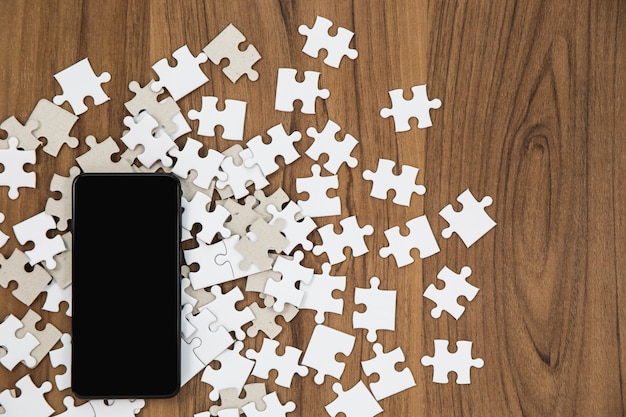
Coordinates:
[240,234]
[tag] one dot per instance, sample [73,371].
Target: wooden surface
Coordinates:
[534,105]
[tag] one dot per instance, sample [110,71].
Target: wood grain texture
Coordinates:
[534,98]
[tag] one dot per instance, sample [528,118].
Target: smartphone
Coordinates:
[125,286]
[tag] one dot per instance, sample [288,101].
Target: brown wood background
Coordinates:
[534,115]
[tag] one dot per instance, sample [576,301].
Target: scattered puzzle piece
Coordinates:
[155,148]
[3,236]
[420,237]
[459,362]
[98,157]
[226,45]
[182,79]
[403,110]
[55,124]
[339,152]
[257,244]
[212,222]
[30,402]
[286,364]
[62,208]
[232,118]
[213,342]
[55,295]
[34,230]
[264,155]
[83,410]
[352,235]
[456,286]
[325,343]
[232,373]
[62,357]
[227,315]
[317,186]
[472,222]
[381,309]
[265,319]
[207,167]
[390,381]
[403,185]
[277,199]
[16,349]
[29,284]
[336,46]
[79,81]
[292,272]
[241,215]
[23,132]
[288,90]
[356,402]
[241,176]
[318,293]
[296,230]
[46,337]
[13,175]
[62,272]
[146,99]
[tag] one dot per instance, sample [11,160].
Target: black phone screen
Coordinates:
[125,286]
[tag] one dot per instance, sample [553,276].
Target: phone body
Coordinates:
[126,286]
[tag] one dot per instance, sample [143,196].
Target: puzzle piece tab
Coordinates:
[317,186]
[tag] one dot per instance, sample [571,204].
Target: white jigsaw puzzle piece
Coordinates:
[62,357]
[403,185]
[13,175]
[421,236]
[233,372]
[30,402]
[286,364]
[403,110]
[318,294]
[207,168]
[472,222]
[325,343]
[55,295]
[352,235]
[317,186]
[79,81]
[355,402]
[336,46]
[155,148]
[185,77]
[296,231]
[459,362]
[227,315]
[17,349]
[232,118]
[83,410]
[381,309]
[456,286]
[390,381]
[117,408]
[264,155]
[34,230]
[288,90]
[339,152]
[55,124]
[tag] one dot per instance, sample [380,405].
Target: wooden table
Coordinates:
[533,114]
